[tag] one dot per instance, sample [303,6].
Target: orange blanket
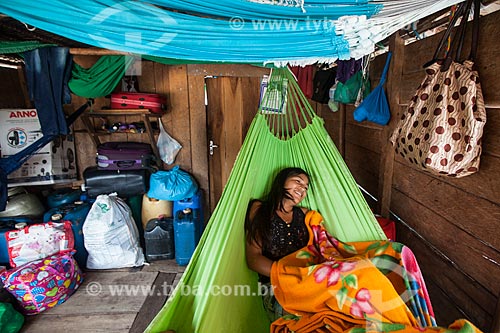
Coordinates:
[331,286]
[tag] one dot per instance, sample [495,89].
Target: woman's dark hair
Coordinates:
[257,229]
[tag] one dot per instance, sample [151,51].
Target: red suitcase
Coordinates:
[128,100]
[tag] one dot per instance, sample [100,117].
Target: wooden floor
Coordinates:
[123,300]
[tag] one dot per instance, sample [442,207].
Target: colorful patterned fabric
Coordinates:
[331,286]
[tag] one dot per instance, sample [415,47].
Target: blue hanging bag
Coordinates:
[375,107]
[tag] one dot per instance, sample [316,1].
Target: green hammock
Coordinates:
[100,79]
[217,292]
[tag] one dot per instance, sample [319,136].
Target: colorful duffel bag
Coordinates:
[43,284]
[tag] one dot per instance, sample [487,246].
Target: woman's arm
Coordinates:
[256,261]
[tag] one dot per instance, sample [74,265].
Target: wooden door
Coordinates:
[232,103]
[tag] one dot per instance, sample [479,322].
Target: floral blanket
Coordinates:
[331,286]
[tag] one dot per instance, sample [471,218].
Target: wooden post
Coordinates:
[495,326]
[396,46]
[342,123]
[95,51]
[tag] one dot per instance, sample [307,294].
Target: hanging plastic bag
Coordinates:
[167,146]
[172,185]
[375,107]
[347,92]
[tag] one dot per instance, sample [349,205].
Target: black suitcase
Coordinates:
[126,183]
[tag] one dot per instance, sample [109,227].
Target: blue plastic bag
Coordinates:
[172,185]
[375,107]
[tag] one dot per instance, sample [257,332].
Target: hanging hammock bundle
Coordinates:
[217,292]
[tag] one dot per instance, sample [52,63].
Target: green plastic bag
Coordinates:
[11,321]
[347,92]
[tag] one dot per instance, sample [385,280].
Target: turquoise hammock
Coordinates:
[217,292]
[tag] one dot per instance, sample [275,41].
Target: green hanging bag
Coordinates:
[11,321]
[347,92]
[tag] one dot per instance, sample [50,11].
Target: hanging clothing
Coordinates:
[305,76]
[48,71]
[347,68]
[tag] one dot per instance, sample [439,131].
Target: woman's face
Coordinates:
[297,186]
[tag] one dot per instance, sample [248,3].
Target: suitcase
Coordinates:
[124,156]
[128,100]
[127,183]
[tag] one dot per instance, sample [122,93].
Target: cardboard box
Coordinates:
[53,164]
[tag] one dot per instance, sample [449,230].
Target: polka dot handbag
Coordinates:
[441,130]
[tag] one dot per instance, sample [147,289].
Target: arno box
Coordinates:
[54,163]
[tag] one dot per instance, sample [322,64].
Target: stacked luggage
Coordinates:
[124,206]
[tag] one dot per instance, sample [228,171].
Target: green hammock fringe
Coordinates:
[208,298]
[20,47]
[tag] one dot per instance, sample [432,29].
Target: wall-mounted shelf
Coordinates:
[145,114]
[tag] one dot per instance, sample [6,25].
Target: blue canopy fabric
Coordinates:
[232,34]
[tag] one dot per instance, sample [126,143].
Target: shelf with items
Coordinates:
[144,114]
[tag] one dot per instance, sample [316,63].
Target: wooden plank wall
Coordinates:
[452,225]
[186,115]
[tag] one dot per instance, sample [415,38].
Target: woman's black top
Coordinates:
[286,237]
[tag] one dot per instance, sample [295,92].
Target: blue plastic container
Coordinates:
[188,226]
[62,197]
[8,224]
[76,213]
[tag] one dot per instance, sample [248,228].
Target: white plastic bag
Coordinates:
[110,235]
[167,146]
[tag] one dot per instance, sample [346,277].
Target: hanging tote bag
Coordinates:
[442,128]
[375,107]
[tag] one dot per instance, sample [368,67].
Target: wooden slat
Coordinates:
[233,121]
[488,47]
[215,122]
[433,193]
[364,166]
[153,303]
[179,101]
[102,323]
[147,81]
[393,94]
[199,142]
[250,101]
[332,121]
[466,251]
[12,89]
[341,128]
[366,137]
[228,70]
[491,139]
[480,184]
[453,294]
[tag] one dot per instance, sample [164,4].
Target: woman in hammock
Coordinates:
[324,285]
[276,228]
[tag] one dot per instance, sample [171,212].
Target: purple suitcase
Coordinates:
[124,156]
